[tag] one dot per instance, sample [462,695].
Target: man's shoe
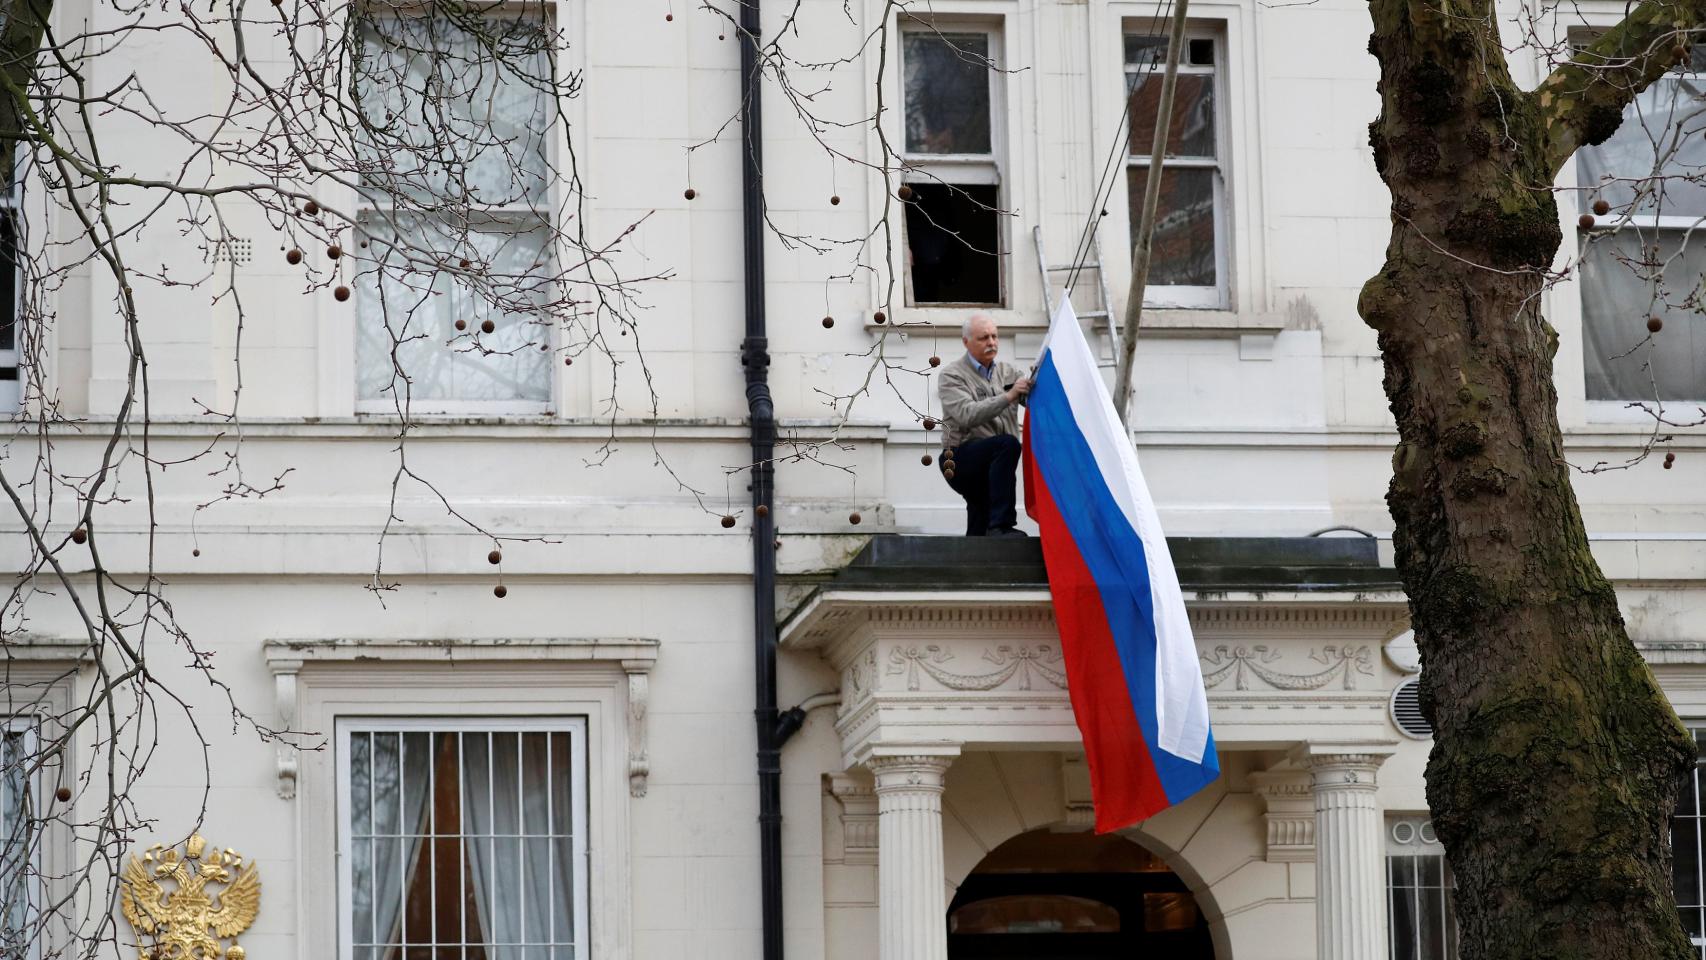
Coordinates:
[1008,532]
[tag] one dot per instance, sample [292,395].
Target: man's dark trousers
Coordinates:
[985,473]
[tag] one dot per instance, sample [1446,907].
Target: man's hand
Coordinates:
[1020,388]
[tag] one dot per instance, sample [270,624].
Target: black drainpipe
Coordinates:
[755,357]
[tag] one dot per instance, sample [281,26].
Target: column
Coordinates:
[912,912]
[1350,867]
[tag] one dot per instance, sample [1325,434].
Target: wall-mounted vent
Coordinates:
[1407,710]
[233,250]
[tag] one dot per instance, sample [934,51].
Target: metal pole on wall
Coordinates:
[1141,248]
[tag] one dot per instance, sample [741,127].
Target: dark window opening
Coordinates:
[953,244]
[8,284]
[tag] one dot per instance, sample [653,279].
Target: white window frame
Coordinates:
[1418,848]
[574,727]
[1696,729]
[1173,297]
[37,679]
[605,681]
[969,169]
[28,726]
[1644,224]
[366,212]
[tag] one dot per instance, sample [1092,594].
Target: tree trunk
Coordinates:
[1556,757]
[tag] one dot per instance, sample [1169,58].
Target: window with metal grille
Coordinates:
[1188,258]
[463,839]
[457,119]
[1422,920]
[953,160]
[1687,839]
[1641,259]
[18,875]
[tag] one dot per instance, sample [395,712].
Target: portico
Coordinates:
[943,682]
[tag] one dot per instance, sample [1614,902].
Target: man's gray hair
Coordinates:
[965,328]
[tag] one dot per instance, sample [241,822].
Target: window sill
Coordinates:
[1157,321]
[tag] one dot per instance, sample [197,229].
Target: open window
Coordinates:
[952,153]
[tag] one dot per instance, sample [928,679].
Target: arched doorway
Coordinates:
[1075,896]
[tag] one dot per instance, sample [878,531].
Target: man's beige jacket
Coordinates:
[974,408]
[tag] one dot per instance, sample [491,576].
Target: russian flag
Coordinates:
[1131,662]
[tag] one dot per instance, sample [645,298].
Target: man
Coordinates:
[980,430]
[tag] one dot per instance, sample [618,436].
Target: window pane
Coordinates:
[536,788]
[1191,132]
[1663,135]
[460,883]
[1625,278]
[456,112]
[8,282]
[1183,247]
[1144,51]
[408,342]
[947,93]
[15,874]
[953,242]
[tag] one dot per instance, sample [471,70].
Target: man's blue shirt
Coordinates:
[986,373]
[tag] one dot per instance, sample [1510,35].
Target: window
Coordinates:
[1648,265]
[1687,839]
[456,163]
[1422,921]
[463,838]
[11,382]
[952,148]
[1187,264]
[17,841]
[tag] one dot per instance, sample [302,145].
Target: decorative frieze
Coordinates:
[1240,663]
[1024,662]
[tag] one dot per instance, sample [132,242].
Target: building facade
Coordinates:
[566,769]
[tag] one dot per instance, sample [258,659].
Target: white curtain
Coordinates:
[517,894]
[1651,265]
[388,797]
[15,843]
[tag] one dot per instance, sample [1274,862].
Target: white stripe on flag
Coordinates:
[1181,704]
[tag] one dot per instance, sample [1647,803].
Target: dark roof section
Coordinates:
[1205,564]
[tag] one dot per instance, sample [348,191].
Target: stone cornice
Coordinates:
[356,659]
[832,617]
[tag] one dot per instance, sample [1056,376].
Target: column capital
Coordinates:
[908,770]
[1317,755]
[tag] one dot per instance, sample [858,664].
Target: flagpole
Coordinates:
[1140,253]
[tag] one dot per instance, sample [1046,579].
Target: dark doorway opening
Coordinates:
[953,238]
[1075,896]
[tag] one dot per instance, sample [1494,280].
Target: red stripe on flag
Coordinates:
[1123,781]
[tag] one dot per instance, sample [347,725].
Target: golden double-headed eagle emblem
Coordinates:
[189,921]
